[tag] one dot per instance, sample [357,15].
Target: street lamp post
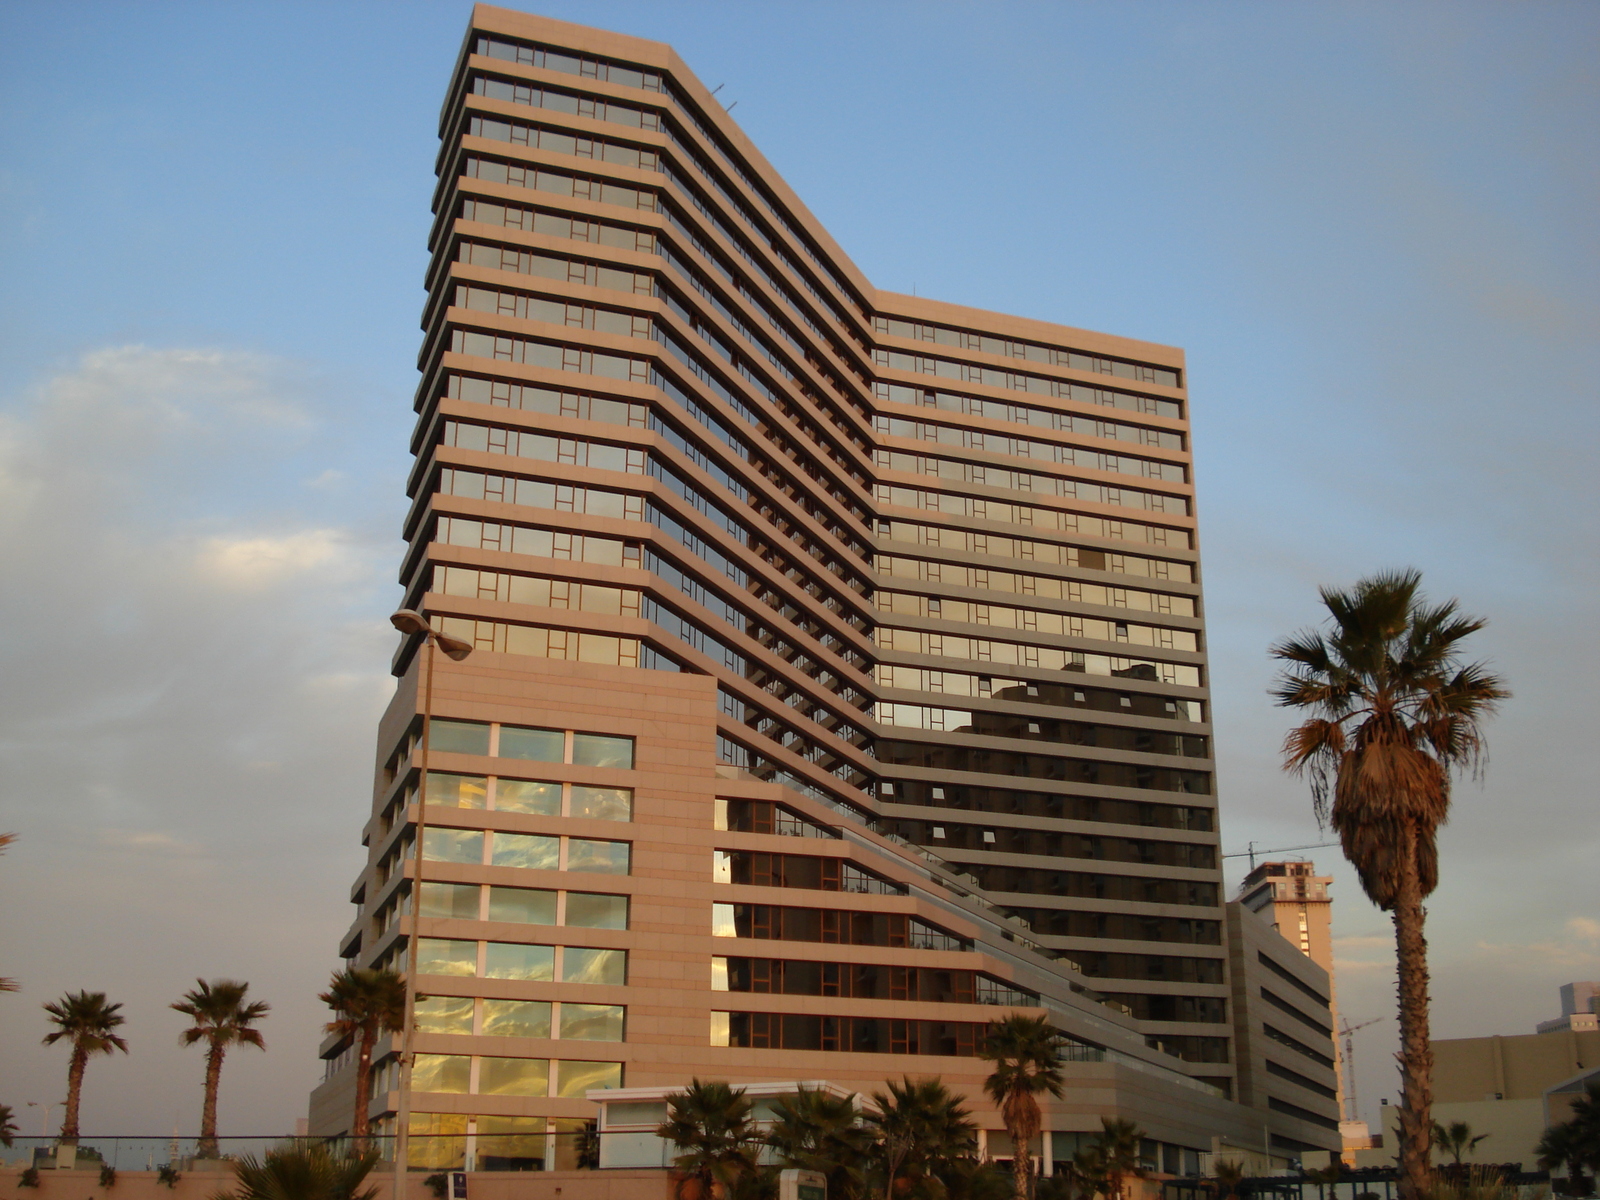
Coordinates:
[408,621]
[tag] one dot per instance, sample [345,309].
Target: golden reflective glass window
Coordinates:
[441,1073]
[513,1077]
[513,960]
[457,791]
[583,964]
[446,956]
[592,910]
[527,796]
[530,851]
[606,858]
[592,1022]
[601,803]
[516,1018]
[440,844]
[576,1078]
[449,900]
[531,906]
[444,1014]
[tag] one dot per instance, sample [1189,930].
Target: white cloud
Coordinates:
[264,561]
[149,842]
[1585,927]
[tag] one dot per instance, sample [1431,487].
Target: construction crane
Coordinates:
[1252,851]
[1351,1111]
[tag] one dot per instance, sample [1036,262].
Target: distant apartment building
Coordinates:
[1295,900]
[839,672]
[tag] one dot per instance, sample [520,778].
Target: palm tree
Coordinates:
[1083,1178]
[1118,1147]
[1562,1145]
[922,1131]
[710,1123]
[221,1019]
[1229,1174]
[1456,1139]
[302,1171]
[1027,1057]
[1396,711]
[89,1023]
[8,1125]
[1324,1178]
[367,1003]
[818,1131]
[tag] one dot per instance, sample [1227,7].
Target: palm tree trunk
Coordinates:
[358,1123]
[1021,1168]
[69,1119]
[1416,1051]
[208,1112]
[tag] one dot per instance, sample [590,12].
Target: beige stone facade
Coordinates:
[839,673]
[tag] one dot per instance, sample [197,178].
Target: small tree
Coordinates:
[1027,1057]
[710,1123]
[817,1131]
[367,1003]
[1118,1145]
[924,1136]
[89,1024]
[302,1171]
[221,1019]
[1456,1139]
[1229,1175]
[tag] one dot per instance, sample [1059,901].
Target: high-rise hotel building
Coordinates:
[839,677]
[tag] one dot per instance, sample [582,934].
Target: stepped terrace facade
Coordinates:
[838,677]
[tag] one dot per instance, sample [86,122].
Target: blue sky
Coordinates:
[1371,227]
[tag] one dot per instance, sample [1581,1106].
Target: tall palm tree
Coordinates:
[86,1021]
[221,1019]
[1456,1139]
[818,1131]
[1118,1148]
[1396,712]
[922,1130]
[302,1171]
[366,1003]
[8,1125]
[1026,1052]
[710,1123]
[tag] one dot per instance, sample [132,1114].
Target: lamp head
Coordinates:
[454,647]
[409,621]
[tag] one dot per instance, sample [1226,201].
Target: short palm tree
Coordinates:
[367,1003]
[221,1019]
[302,1171]
[922,1131]
[1395,712]
[1026,1052]
[1562,1145]
[1456,1139]
[1229,1175]
[710,1124]
[1118,1147]
[86,1021]
[815,1130]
